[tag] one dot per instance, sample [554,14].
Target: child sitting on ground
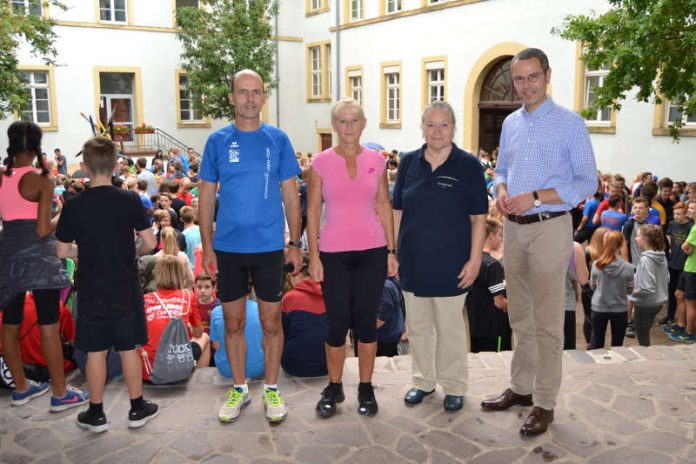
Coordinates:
[110,302]
[169,301]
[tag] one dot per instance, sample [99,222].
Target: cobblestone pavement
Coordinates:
[630,405]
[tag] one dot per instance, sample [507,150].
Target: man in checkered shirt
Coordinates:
[546,167]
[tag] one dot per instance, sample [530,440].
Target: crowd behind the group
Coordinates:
[603,277]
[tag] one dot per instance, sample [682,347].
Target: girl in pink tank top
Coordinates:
[28,262]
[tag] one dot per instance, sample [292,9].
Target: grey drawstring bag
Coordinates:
[174,358]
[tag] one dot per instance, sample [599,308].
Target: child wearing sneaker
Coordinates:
[651,280]
[110,306]
[689,284]
[28,262]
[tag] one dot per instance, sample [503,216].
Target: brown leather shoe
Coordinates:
[537,422]
[507,399]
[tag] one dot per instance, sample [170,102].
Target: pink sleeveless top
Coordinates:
[12,205]
[351,220]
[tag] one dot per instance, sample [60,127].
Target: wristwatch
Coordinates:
[297,244]
[537,201]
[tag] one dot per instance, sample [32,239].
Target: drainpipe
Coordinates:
[277,61]
[338,50]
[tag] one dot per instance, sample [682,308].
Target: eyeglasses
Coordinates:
[532,78]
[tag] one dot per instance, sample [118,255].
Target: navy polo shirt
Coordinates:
[435,232]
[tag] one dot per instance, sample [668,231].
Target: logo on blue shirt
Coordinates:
[233,152]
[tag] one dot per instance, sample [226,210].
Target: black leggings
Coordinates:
[352,287]
[47,307]
[619,321]
[569,330]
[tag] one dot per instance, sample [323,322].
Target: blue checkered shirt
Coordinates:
[548,148]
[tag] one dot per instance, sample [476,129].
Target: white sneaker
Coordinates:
[274,405]
[237,399]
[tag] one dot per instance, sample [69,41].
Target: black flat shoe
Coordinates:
[367,404]
[330,396]
[416,395]
[453,403]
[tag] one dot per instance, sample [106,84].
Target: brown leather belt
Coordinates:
[532,218]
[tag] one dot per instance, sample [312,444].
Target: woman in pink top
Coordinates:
[356,250]
[28,261]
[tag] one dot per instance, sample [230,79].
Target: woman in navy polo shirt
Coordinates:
[440,205]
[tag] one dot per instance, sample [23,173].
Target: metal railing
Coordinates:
[146,142]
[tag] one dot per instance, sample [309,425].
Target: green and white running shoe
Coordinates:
[274,405]
[238,398]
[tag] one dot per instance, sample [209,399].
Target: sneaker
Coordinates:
[73,397]
[629,332]
[674,330]
[274,405]
[330,396]
[34,391]
[367,403]
[665,321]
[97,424]
[683,337]
[139,417]
[238,398]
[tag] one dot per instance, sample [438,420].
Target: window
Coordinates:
[393,98]
[313,7]
[315,57]
[434,83]
[319,72]
[113,11]
[587,81]
[356,10]
[674,114]
[594,80]
[186,3]
[391,103]
[393,6]
[187,112]
[38,107]
[27,7]
[354,83]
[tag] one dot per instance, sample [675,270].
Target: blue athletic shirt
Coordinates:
[250,167]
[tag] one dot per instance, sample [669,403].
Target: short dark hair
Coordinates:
[665,182]
[142,184]
[204,276]
[649,191]
[142,163]
[642,200]
[614,200]
[99,154]
[529,53]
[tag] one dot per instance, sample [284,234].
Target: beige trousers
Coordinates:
[537,257]
[437,342]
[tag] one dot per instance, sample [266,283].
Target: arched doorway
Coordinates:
[496,100]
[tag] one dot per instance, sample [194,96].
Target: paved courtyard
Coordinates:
[630,405]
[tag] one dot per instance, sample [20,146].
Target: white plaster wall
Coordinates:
[462,33]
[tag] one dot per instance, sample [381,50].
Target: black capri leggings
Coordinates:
[47,308]
[352,287]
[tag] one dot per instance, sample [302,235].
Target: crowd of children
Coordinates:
[133,229]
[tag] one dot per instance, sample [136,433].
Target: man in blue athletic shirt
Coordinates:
[254,165]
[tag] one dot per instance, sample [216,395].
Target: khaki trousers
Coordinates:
[537,257]
[437,342]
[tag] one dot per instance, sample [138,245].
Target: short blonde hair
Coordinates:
[170,273]
[345,103]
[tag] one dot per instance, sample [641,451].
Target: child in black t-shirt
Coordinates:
[489,328]
[110,304]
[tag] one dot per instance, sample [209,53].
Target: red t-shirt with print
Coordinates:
[177,303]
